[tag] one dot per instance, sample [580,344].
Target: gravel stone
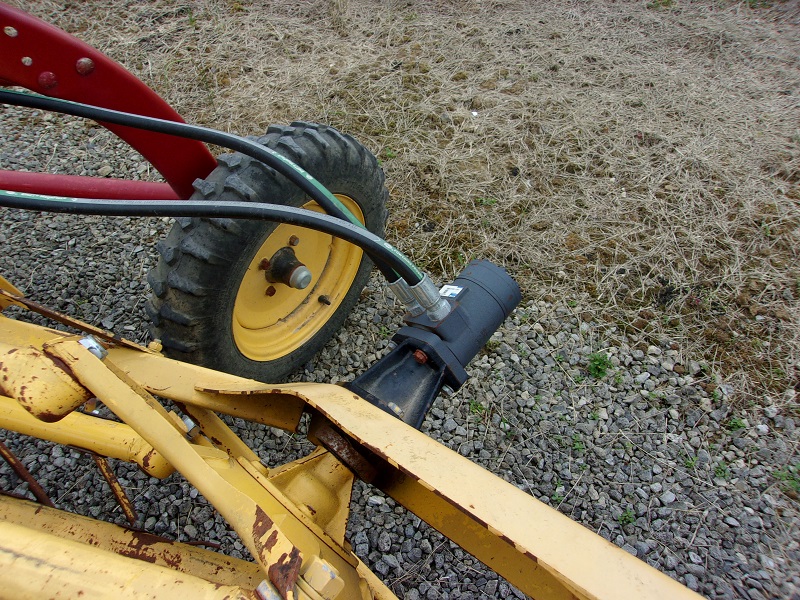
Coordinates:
[384,542]
[668,497]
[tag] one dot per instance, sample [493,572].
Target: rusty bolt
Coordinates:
[420,357]
[264,264]
[47,79]
[271,291]
[84,66]
[324,300]
[294,240]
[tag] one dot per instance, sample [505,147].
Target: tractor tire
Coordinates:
[213,306]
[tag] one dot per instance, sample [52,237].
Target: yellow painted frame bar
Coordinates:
[542,552]
[43,565]
[181,558]
[107,438]
[237,492]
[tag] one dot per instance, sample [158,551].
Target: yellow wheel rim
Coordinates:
[269,327]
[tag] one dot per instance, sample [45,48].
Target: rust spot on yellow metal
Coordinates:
[344,450]
[140,548]
[261,526]
[146,459]
[270,542]
[284,573]
[59,363]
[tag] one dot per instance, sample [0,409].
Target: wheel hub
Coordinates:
[284,267]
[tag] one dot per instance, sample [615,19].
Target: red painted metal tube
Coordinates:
[85,187]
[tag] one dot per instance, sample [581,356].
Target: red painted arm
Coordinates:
[47,60]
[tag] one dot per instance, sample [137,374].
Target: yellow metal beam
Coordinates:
[181,558]
[536,544]
[42,565]
[268,545]
[104,437]
[539,543]
[542,547]
[538,549]
[188,384]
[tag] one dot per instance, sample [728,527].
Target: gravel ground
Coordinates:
[643,455]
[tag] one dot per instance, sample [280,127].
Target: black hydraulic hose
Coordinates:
[374,246]
[280,163]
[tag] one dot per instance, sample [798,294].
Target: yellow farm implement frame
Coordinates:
[291,518]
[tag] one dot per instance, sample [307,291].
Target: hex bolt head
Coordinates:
[270,291]
[266,591]
[264,264]
[192,429]
[420,357]
[294,240]
[322,577]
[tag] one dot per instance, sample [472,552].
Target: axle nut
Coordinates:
[300,278]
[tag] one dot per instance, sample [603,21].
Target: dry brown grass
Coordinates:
[639,158]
